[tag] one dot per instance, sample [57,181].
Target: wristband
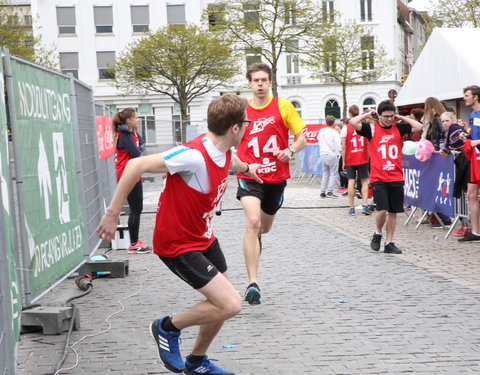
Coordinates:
[248,168]
[290,149]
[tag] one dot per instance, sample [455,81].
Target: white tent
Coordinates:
[449,62]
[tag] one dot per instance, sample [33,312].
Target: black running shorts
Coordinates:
[352,171]
[270,195]
[197,268]
[388,196]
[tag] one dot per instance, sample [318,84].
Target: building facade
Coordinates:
[90,34]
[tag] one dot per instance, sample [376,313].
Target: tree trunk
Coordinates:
[344,97]
[274,81]
[185,118]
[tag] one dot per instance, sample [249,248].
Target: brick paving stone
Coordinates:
[330,305]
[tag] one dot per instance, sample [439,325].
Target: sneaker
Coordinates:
[375,242]
[469,238]
[351,211]
[390,248]
[331,195]
[323,195]
[252,295]
[139,247]
[365,210]
[167,345]
[463,231]
[345,193]
[358,194]
[205,367]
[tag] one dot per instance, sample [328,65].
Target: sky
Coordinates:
[421,4]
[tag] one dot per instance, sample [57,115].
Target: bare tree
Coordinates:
[347,54]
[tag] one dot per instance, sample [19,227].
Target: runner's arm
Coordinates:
[133,171]
[356,121]
[237,165]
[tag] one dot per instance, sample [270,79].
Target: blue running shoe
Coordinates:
[167,345]
[365,210]
[206,367]
[351,211]
[252,295]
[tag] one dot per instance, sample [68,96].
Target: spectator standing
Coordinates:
[433,129]
[130,145]
[471,97]
[386,173]
[355,162]
[330,151]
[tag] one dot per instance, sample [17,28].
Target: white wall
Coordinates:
[310,94]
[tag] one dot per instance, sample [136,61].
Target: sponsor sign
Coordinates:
[8,242]
[52,217]
[429,184]
[106,142]
[311,132]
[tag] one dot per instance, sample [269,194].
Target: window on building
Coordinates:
[12,20]
[27,20]
[66,20]
[298,107]
[328,10]
[140,18]
[369,103]
[176,14]
[329,63]
[69,63]
[291,47]
[215,14]
[146,123]
[332,108]
[105,61]
[103,17]
[290,13]
[367,52]
[251,13]
[177,122]
[366,10]
[252,56]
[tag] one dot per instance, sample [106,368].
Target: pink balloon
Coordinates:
[424,150]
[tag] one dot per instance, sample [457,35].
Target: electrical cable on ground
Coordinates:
[283,207]
[58,371]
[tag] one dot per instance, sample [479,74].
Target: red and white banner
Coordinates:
[106,144]
[311,132]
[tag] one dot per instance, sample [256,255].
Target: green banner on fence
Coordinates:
[52,213]
[7,208]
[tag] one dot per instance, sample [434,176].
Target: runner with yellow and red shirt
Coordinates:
[265,142]
[386,173]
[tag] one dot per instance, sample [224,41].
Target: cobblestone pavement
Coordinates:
[330,305]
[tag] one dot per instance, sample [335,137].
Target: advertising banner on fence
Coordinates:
[6,195]
[106,142]
[310,132]
[52,214]
[429,184]
[310,155]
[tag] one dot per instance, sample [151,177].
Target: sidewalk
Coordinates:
[330,305]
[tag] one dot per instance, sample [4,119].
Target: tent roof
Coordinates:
[449,62]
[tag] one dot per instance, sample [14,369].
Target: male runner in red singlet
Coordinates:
[183,238]
[386,173]
[265,142]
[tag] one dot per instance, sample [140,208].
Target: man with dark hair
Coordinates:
[183,237]
[265,142]
[471,97]
[355,162]
[386,173]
